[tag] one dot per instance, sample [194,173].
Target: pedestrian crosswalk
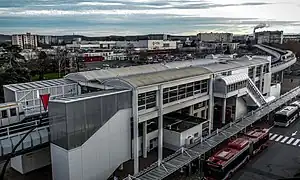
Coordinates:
[284,139]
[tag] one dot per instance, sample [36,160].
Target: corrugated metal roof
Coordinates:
[232,79]
[164,76]
[211,64]
[234,64]
[132,70]
[37,84]
[114,72]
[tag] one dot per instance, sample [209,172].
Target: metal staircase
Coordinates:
[255,93]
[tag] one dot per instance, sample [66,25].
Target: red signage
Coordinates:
[45,100]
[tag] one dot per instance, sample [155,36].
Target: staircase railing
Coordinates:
[256,92]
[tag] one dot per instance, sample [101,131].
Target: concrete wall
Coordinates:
[60,163]
[100,155]
[31,161]
[171,139]
[241,108]
[150,136]
[275,90]
[190,132]
[267,83]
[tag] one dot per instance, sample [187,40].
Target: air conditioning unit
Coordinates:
[189,140]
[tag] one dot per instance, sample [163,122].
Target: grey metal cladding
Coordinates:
[74,122]
[58,124]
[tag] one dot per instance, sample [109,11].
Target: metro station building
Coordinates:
[122,114]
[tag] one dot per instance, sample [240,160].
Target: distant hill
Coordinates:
[4,38]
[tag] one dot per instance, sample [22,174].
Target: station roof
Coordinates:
[214,65]
[164,76]
[87,96]
[232,79]
[103,74]
[37,84]
[235,64]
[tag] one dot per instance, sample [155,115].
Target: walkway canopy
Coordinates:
[235,78]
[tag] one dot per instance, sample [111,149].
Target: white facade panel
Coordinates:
[100,155]
[275,90]
[190,133]
[171,139]
[267,83]
[240,71]
[60,163]
[75,165]
[161,45]
[240,108]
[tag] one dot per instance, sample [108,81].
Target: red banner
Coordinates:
[45,100]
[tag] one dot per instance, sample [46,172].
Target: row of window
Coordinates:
[200,105]
[265,69]
[236,86]
[4,113]
[146,100]
[182,91]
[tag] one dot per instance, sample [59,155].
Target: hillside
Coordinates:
[4,38]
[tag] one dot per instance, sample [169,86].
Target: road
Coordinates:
[280,160]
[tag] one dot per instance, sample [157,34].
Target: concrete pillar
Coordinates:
[236,102]
[145,148]
[254,74]
[192,110]
[135,131]
[224,111]
[211,103]
[261,78]
[160,125]
[190,169]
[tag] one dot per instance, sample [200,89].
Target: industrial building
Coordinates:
[215,37]
[272,37]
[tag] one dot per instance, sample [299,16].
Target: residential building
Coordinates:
[25,41]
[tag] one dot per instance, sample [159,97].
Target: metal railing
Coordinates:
[21,128]
[255,91]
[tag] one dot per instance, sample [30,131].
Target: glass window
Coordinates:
[13,112]
[258,71]
[4,113]
[250,72]
[147,100]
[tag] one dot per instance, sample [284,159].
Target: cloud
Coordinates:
[146,16]
[100,4]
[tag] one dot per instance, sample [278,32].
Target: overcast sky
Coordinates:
[126,17]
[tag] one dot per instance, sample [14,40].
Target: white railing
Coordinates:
[256,92]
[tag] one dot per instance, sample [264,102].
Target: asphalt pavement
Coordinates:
[280,160]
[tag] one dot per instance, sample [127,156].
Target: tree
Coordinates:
[12,75]
[12,57]
[40,65]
